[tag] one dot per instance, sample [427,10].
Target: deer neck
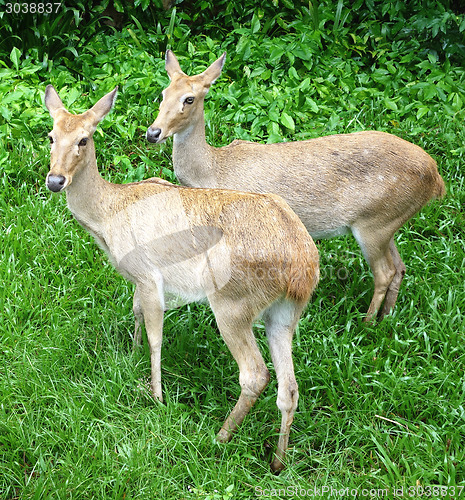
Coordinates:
[193,157]
[88,194]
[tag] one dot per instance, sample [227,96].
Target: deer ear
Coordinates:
[52,100]
[172,65]
[211,74]
[103,106]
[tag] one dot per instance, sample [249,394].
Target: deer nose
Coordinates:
[56,182]
[153,134]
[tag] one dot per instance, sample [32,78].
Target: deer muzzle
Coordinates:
[56,183]
[153,134]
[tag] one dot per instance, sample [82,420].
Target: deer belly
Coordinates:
[193,279]
[189,271]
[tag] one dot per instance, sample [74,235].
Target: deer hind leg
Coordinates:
[236,329]
[393,289]
[280,322]
[378,254]
[139,319]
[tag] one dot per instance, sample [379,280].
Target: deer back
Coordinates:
[331,182]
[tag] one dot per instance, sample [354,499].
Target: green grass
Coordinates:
[381,406]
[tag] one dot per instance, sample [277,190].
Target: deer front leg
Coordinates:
[152,312]
[139,319]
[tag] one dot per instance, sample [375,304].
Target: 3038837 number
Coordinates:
[32,8]
[435,491]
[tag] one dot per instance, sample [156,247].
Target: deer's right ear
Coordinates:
[172,65]
[101,108]
[52,100]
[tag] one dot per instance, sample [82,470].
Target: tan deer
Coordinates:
[247,254]
[366,183]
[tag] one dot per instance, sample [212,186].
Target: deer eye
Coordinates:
[50,139]
[189,100]
[83,142]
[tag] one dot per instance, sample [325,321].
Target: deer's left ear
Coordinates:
[103,106]
[213,71]
[52,101]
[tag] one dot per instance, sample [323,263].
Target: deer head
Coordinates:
[182,104]
[71,142]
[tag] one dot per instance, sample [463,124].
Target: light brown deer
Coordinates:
[366,183]
[247,254]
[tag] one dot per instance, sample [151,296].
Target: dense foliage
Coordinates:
[382,406]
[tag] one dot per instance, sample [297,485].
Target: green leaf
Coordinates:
[15,56]
[422,111]
[314,14]
[462,25]
[255,24]
[293,73]
[333,121]
[457,102]
[243,47]
[6,113]
[276,54]
[287,121]
[305,84]
[313,105]
[432,58]
[73,51]
[118,6]
[429,92]
[73,95]
[337,18]
[273,115]
[391,68]
[390,104]
[170,30]
[134,37]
